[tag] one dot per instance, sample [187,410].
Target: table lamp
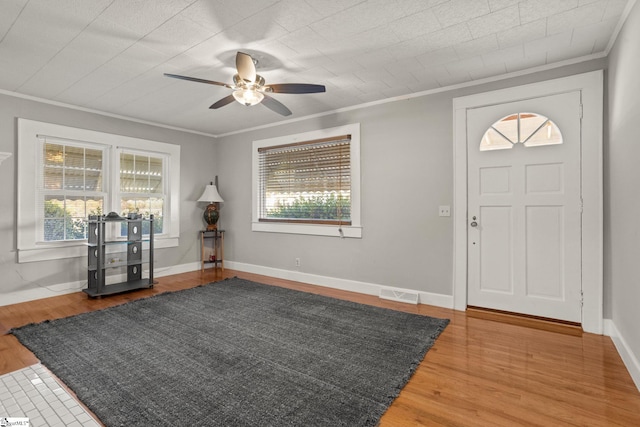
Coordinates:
[211,214]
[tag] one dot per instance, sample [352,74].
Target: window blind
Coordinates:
[306,181]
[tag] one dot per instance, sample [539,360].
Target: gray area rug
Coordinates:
[235,353]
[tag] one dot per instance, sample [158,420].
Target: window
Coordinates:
[528,129]
[142,188]
[66,174]
[70,188]
[308,183]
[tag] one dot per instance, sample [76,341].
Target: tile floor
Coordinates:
[35,394]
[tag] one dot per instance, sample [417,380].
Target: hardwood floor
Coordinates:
[478,373]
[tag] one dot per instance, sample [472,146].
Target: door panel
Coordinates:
[544,178]
[495,180]
[544,246]
[524,252]
[496,250]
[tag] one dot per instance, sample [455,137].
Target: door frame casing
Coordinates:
[590,86]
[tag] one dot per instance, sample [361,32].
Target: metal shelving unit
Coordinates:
[132,257]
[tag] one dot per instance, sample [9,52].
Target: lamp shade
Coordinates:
[210,195]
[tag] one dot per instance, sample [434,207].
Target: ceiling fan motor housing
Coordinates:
[249,87]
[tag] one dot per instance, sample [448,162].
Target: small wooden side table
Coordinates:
[214,255]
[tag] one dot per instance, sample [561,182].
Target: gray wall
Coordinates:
[407,172]
[622,204]
[197,156]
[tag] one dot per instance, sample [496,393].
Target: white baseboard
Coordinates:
[176,269]
[32,294]
[438,300]
[16,297]
[428,298]
[630,360]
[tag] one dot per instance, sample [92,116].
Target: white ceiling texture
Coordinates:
[109,56]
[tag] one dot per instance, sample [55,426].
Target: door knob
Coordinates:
[474,224]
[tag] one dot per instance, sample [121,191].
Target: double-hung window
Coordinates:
[142,187]
[71,186]
[308,183]
[66,174]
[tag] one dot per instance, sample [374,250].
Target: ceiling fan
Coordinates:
[249,87]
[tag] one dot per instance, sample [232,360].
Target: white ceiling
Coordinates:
[110,55]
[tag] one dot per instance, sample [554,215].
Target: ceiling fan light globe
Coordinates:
[248,96]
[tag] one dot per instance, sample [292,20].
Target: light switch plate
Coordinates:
[444,210]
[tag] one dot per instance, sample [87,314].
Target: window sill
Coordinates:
[54,251]
[309,229]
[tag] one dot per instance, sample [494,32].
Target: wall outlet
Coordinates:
[297,262]
[444,210]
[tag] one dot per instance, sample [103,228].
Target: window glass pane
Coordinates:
[75,207]
[508,126]
[141,166]
[73,168]
[93,181]
[155,175]
[307,181]
[53,155]
[127,177]
[141,174]
[534,129]
[144,206]
[93,170]
[549,134]
[54,207]
[492,140]
[53,229]
[95,206]
[529,123]
[127,206]
[156,205]
[156,208]
[73,157]
[142,187]
[73,179]
[65,216]
[52,178]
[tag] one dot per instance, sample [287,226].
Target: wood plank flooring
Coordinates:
[478,373]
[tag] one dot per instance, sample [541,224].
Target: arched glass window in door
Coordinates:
[528,129]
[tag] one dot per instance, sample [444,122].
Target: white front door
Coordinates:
[524,207]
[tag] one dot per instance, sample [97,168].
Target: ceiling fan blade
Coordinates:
[246,67]
[294,88]
[224,101]
[197,80]
[276,106]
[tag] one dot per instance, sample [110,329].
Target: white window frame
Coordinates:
[355,229]
[30,246]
